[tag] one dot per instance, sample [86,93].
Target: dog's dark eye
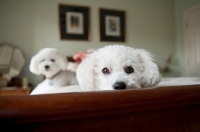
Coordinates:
[52,60]
[42,60]
[105,71]
[128,69]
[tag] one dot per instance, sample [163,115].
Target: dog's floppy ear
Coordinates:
[63,61]
[34,65]
[85,73]
[151,75]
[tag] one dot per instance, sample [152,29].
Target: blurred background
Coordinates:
[154,25]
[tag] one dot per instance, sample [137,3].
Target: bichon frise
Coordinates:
[117,67]
[53,65]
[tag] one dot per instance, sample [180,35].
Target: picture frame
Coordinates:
[74,22]
[112,25]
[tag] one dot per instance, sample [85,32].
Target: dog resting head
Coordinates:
[117,67]
[48,62]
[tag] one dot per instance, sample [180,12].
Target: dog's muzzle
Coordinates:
[119,85]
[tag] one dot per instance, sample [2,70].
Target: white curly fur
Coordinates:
[57,63]
[116,58]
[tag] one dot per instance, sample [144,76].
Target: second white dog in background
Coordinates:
[53,65]
[117,67]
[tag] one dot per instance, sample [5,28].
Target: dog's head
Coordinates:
[48,62]
[117,67]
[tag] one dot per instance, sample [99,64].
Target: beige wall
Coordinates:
[33,24]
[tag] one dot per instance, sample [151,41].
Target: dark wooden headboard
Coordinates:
[70,59]
[164,109]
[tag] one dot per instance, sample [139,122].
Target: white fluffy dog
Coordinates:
[117,67]
[53,65]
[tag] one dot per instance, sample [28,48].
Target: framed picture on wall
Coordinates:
[74,23]
[112,25]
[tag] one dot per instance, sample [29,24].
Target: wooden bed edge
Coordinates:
[40,108]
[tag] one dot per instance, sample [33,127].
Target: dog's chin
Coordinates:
[48,73]
[133,87]
[105,88]
[128,87]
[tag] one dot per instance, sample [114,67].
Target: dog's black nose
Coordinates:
[119,85]
[46,67]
